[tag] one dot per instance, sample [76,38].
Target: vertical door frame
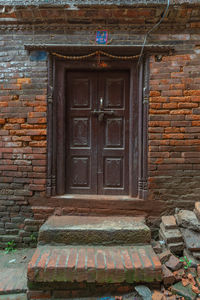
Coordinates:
[139,93]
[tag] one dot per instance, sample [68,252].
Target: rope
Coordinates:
[97,53]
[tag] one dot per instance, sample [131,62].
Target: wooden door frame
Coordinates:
[139,93]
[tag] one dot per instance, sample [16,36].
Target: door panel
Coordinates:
[80,92]
[81,133]
[114,92]
[80,171]
[113,177]
[113,132]
[97,141]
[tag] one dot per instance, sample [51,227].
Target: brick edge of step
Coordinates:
[95,265]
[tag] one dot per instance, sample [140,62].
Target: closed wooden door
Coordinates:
[97,133]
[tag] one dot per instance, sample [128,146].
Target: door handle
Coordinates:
[105,112]
[101,113]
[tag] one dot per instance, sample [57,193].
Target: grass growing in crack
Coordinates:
[10,247]
[33,237]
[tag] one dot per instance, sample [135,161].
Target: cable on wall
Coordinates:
[155,26]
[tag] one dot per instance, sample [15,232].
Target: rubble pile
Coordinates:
[179,253]
[181,232]
[171,235]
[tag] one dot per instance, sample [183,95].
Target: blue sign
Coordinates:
[38,56]
[102,37]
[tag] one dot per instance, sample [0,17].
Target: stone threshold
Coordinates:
[98,197]
[94,230]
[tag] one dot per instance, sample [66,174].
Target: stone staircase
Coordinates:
[86,256]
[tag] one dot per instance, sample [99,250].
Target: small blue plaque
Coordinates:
[102,37]
[38,55]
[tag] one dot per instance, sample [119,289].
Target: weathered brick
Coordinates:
[23,80]
[174,118]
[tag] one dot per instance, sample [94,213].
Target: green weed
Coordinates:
[10,247]
[186,262]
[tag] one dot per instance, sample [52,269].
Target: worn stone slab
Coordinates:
[144,292]
[188,219]
[192,239]
[169,222]
[173,263]
[168,276]
[157,247]
[76,230]
[184,291]
[197,209]
[94,264]
[189,255]
[176,248]
[196,255]
[170,235]
[164,256]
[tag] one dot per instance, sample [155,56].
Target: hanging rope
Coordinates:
[96,53]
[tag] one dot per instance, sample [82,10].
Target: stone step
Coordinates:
[76,230]
[57,267]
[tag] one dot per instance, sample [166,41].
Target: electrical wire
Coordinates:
[156,25]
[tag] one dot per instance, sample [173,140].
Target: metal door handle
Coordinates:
[105,112]
[108,112]
[101,113]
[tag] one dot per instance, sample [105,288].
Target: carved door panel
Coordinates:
[113,134]
[97,141]
[81,133]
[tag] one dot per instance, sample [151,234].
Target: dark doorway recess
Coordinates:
[97,128]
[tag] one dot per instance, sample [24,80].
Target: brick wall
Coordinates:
[174,129]
[22,137]
[174,115]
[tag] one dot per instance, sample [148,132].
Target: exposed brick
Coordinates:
[78,264]
[39,295]
[23,80]
[174,114]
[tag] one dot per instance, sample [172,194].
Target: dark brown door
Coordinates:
[97,141]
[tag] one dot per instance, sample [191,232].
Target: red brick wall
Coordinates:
[22,140]
[174,130]
[174,112]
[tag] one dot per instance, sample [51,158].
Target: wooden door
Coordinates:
[97,140]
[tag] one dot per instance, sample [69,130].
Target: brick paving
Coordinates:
[13,274]
[13,280]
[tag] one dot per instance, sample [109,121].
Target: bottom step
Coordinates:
[53,266]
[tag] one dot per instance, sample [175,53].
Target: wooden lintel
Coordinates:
[112,49]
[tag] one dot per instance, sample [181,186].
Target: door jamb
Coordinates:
[55,129]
